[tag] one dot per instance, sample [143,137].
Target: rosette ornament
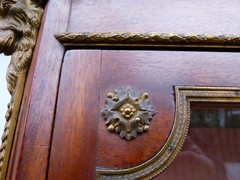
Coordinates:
[128,112]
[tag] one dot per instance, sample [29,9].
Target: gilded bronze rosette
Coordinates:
[128,112]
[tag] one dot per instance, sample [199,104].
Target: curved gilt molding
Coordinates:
[152,40]
[19,25]
[184,96]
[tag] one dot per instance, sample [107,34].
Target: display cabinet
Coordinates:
[122,89]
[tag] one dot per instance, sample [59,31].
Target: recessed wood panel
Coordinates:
[73,149]
[36,115]
[81,141]
[156,72]
[38,158]
[211,17]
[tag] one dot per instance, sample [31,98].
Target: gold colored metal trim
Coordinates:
[184,96]
[128,112]
[19,24]
[150,40]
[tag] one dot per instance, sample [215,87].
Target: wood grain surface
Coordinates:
[200,17]
[78,140]
[37,113]
[75,130]
[156,72]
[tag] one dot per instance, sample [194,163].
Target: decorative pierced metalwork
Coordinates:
[128,112]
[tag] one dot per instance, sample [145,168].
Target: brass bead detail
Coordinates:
[145,95]
[146,128]
[111,127]
[115,98]
[110,95]
[138,119]
[127,110]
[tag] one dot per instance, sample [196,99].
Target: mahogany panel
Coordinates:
[156,72]
[46,76]
[38,108]
[38,158]
[211,17]
[73,149]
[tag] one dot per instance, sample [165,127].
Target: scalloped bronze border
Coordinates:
[149,40]
[184,96]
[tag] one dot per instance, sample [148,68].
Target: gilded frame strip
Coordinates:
[150,40]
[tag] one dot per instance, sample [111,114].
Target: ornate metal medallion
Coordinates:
[128,112]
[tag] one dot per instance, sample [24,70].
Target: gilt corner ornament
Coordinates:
[128,112]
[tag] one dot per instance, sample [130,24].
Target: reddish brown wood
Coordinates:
[73,153]
[79,142]
[211,17]
[37,156]
[156,73]
[37,112]
[126,68]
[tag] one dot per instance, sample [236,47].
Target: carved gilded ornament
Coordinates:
[128,112]
[19,25]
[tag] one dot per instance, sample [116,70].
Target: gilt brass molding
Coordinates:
[184,95]
[150,40]
[128,112]
[19,24]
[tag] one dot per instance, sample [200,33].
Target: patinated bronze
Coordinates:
[19,25]
[128,112]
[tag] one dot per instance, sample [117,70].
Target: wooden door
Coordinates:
[91,49]
[82,145]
